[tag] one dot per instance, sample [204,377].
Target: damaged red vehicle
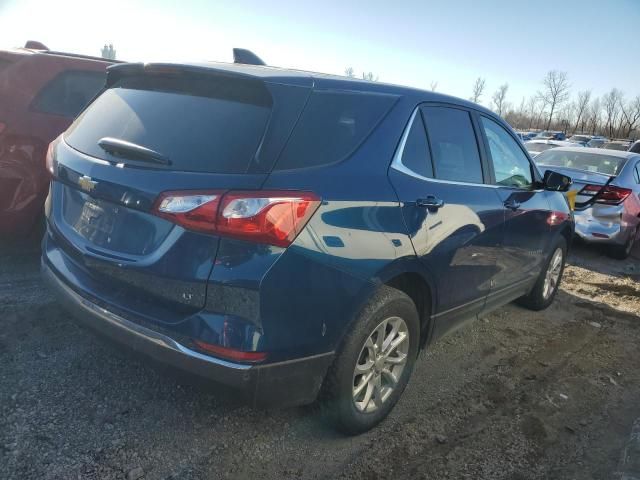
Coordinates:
[41,92]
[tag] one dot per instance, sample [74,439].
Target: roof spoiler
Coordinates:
[247,57]
[35,45]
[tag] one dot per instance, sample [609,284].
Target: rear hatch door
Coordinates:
[208,132]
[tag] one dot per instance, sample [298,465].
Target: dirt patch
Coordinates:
[518,395]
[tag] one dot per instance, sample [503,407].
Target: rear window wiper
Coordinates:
[133,151]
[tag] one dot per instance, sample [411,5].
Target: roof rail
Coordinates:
[35,45]
[242,55]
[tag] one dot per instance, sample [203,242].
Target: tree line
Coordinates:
[555,107]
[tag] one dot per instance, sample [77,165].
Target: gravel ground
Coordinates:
[517,395]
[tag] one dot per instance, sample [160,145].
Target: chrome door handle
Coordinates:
[430,202]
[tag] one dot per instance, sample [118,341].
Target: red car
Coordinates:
[41,92]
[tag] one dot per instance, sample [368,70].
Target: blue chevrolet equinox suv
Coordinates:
[295,236]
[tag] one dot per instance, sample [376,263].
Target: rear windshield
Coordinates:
[579,138]
[332,126]
[538,147]
[616,146]
[592,162]
[203,124]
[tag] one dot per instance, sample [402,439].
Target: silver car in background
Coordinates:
[607,183]
[535,147]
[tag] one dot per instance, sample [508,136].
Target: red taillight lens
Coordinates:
[609,195]
[194,210]
[272,217]
[230,353]
[275,218]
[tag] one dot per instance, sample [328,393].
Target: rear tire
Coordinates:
[374,363]
[621,252]
[546,287]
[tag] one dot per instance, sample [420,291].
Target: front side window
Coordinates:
[453,145]
[510,164]
[68,93]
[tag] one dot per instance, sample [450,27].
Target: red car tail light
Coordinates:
[609,194]
[272,217]
[231,353]
[193,210]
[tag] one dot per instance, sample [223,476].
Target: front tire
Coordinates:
[374,363]
[546,287]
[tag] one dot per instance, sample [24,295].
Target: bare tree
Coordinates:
[369,76]
[595,110]
[611,104]
[582,103]
[532,105]
[631,115]
[434,85]
[499,99]
[478,89]
[555,91]
[349,72]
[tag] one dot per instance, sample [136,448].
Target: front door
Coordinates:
[526,212]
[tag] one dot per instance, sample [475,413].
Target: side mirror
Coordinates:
[556,182]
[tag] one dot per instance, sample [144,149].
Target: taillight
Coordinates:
[271,217]
[192,210]
[231,353]
[275,218]
[609,194]
[2,127]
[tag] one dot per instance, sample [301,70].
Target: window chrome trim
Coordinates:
[397,164]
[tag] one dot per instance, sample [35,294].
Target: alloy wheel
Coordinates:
[380,364]
[552,277]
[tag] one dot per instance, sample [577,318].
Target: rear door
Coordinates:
[454,218]
[526,211]
[206,131]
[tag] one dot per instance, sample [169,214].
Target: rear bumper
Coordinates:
[293,382]
[608,228]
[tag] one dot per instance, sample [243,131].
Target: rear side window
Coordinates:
[415,155]
[637,173]
[69,92]
[205,124]
[332,126]
[453,144]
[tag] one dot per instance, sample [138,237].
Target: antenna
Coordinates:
[242,55]
[35,45]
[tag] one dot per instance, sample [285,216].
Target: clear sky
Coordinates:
[408,42]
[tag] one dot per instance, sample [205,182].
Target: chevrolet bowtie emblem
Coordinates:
[86,183]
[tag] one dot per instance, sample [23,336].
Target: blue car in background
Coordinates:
[296,236]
